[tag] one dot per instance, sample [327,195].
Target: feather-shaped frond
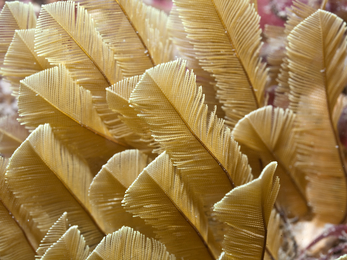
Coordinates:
[118,100]
[70,246]
[14,16]
[12,134]
[53,97]
[162,199]
[296,14]
[66,34]
[247,210]
[54,233]
[135,32]
[13,242]
[315,60]
[108,188]
[186,52]
[128,244]
[21,60]
[227,40]
[48,180]
[168,99]
[23,219]
[272,137]
[274,236]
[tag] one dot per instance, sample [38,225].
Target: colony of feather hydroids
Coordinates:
[134,153]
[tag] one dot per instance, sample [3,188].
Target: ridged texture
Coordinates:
[66,34]
[54,233]
[200,146]
[118,100]
[314,63]
[227,39]
[21,60]
[14,16]
[296,14]
[48,180]
[134,31]
[13,242]
[186,51]
[70,246]
[108,188]
[128,244]
[272,137]
[12,134]
[53,97]
[162,199]
[247,210]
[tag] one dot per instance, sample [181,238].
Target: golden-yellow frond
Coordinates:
[274,237]
[13,242]
[128,244]
[66,33]
[48,180]
[12,134]
[317,54]
[247,210]
[118,100]
[186,51]
[53,97]
[163,200]
[21,60]
[272,135]
[108,188]
[28,227]
[135,32]
[70,246]
[296,14]
[57,230]
[14,16]
[200,146]
[227,39]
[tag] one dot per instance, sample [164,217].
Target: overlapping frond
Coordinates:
[12,134]
[22,217]
[135,32]
[272,137]
[118,100]
[70,246]
[108,188]
[227,39]
[48,180]
[53,97]
[186,51]
[13,242]
[201,147]
[54,233]
[162,199]
[296,14]
[21,60]
[247,210]
[128,244]
[66,33]
[317,76]
[14,16]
